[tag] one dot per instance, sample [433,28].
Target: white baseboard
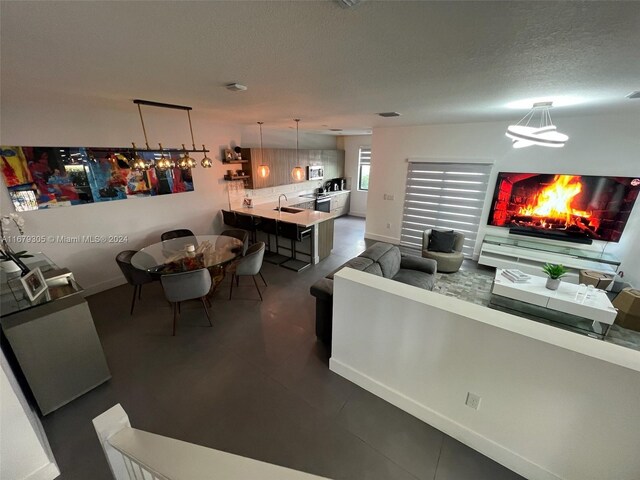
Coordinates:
[105,285]
[48,472]
[358,214]
[484,445]
[382,238]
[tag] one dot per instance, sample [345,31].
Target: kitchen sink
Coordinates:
[290,210]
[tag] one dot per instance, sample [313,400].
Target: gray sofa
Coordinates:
[382,259]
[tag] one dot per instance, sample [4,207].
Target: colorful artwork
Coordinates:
[47,177]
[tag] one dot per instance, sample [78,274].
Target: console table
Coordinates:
[53,338]
[529,255]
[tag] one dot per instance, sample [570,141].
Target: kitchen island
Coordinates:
[321,224]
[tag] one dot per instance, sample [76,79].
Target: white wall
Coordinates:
[117,123]
[554,405]
[598,145]
[351,146]
[24,450]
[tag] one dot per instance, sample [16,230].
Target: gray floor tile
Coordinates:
[394,433]
[256,383]
[459,462]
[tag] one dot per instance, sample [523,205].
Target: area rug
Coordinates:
[470,286]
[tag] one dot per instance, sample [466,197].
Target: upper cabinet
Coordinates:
[281,161]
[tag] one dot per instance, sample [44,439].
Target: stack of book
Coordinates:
[515,275]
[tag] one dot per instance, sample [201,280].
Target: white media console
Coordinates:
[530,254]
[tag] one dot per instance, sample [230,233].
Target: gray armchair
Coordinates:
[447,262]
[179,287]
[249,265]
[134,276]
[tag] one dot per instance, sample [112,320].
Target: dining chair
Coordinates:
[249,223]
[229,218]
[249,265]
[134,276]
[183,286]
[181,232]
[241,235]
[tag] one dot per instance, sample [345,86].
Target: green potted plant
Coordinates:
[555,273]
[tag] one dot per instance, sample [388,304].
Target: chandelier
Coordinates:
[524,133]
[185,162]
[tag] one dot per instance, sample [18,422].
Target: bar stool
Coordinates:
[248,223]
[229,218]
[270,227]
[295,233]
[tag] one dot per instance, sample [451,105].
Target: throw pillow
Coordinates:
[441,241]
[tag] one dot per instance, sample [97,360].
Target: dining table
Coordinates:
[189,253]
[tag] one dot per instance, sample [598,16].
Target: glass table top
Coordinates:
[187,253]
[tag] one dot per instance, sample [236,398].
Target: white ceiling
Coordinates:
[435,62]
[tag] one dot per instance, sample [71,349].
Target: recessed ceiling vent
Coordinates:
[335,129]
[348,3]
[389,114]
[236,87]
[634,95]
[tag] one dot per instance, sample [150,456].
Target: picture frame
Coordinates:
[34,284]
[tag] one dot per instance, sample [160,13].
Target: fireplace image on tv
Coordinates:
[578,208]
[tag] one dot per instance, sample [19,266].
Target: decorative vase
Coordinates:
[9,266]
[553,283]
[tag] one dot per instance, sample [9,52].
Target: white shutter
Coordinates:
[444,196]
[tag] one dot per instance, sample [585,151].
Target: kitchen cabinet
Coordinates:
[281,162]
[340,204]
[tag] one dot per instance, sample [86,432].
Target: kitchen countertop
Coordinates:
[305,218]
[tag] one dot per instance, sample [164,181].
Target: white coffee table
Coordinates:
[598,309]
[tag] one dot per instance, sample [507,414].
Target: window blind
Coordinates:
[444,196]
[364,167]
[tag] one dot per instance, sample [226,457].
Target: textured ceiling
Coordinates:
[435,62]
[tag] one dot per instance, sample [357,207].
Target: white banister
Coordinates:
[137,455]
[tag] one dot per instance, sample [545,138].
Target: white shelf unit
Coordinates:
[529,255]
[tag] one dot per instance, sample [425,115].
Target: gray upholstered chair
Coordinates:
[181,232]
[241,235]
[249,265]
[134,276]
[447,262]
[179,287]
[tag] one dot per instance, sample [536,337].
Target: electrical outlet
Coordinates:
[388,225]
[473,401]
[389,197]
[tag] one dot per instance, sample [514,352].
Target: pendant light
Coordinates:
[545,135]
[163,163]
[263,168]
[206,162]
[298,172]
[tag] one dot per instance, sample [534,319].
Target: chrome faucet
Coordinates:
[279,198]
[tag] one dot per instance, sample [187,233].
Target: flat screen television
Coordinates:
[578,208]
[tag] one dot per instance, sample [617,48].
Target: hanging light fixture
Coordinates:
[263,168]
[298,172]
[206,162]
[185,162]
[137,162]
[545,134]
[163,163]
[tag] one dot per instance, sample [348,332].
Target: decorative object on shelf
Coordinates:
[298,172]
[10,260]
[555,273]
[34,284]
[187,160]
[263,168]
[238,152]
[545,134]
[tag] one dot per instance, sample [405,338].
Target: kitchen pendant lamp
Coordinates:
[263,168]
[545,134]
[298,172]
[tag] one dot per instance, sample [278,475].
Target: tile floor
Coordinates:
[256,384]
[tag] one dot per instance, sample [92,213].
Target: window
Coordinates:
[445,196]
[364,167]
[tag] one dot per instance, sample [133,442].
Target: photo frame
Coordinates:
[34,284]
